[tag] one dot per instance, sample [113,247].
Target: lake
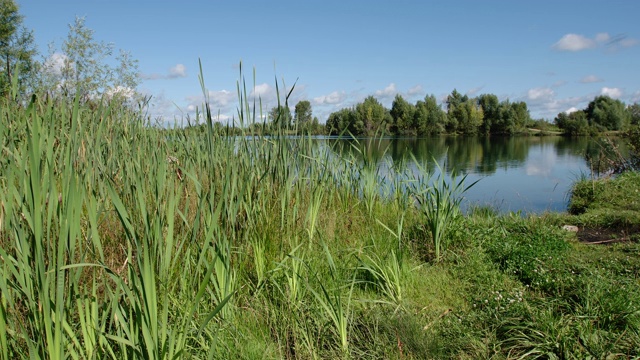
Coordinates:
[529,174]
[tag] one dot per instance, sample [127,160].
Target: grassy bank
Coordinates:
[120,241]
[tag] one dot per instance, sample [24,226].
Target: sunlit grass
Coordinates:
[122,240]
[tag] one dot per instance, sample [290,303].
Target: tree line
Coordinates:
[484,114]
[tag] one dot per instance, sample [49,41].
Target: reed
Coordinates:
[440,204]
[123,239]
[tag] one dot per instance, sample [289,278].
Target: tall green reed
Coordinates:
[440,205]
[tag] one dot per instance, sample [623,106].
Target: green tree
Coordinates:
[280,117]
[17,48]
[574,123]
[371,116]
[634,114]
[83,68]
[469,115]
[342,122]
[605,112]
[519,115]
[303,115]
[455,113]
[402,115]
[455,99]
[491,107]
[429,118]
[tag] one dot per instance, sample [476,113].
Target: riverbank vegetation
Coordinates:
[122,240]
[117,241]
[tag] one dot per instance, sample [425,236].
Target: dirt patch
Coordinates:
[599,235]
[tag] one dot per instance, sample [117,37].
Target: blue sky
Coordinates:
[554,55]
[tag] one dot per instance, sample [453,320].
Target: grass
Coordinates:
[123,240]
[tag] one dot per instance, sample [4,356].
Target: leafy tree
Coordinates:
[520,116]
[126,74]
[504,123]
[303,115]
[83,69]
[491,107]
[634,114]
[455,99]
[280,117]
[343,121]
[574,123]
[17,48]
[402,114]
[315,127]
[469,116]
[429,118]
[607,113]
[371,116]
[455,113]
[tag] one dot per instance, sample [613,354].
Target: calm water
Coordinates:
[529,174]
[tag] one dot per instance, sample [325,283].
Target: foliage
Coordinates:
[464,115]
[491,108]
[440,205]
[574,123]
[82,69]
[429,118]
[17,49]
[280,117]
[121,240]
[402,114]
[634,114]
[342,122]
[608,113]
[371,117]
[303,118]
[602,114]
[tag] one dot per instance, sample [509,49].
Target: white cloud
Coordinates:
[543,102]
[574,42]
[175,72]
[541,166]
[261,90]
[590,79]
[220,100]
[602,37]
[387,92]
[571,110]
[540,94]
[332,98]
[415,90]
[611,92]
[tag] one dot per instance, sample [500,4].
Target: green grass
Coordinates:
[612,204]
[122,240]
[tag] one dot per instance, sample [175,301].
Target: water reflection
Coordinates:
[530,174]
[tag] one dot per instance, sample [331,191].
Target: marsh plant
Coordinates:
[440,204]
[120,239]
